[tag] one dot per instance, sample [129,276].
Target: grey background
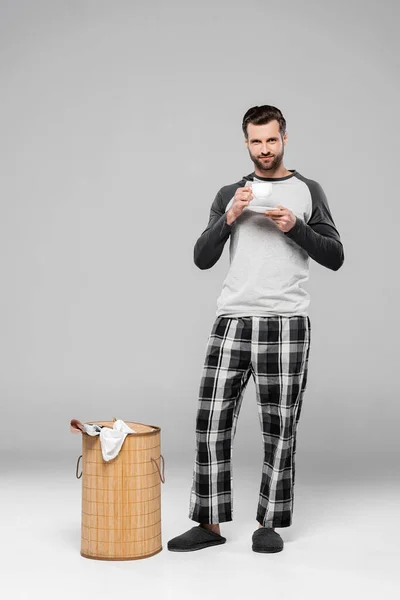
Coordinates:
[119,123]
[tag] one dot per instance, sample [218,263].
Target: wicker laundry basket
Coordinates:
[121,498]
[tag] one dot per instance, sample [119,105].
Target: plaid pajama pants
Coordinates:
[274,350]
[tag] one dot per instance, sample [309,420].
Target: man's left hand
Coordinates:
[283,218]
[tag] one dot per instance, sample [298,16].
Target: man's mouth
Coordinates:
[266,157]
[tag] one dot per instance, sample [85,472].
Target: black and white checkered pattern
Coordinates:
[274,350]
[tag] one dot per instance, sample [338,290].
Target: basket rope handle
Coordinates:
[162,477]
[77,466]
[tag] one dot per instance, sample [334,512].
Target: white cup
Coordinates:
[261,189]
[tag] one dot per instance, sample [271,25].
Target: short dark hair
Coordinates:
[260,115]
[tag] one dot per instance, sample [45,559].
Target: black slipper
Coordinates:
[196,538]
[265,539]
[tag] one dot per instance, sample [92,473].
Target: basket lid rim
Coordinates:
[156,428]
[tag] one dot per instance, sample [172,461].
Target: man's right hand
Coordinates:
[242,197]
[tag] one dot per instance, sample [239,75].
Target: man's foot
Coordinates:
[259,526]
[266,539]
[212,527]
[196,538]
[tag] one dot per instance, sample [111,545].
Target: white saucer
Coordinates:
[260,209]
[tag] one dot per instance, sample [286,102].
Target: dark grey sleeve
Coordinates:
[319,237]
[210,244]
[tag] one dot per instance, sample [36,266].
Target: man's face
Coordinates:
[265,141]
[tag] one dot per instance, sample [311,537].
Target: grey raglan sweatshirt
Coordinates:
[269,266]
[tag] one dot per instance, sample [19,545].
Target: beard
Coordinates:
[267,165]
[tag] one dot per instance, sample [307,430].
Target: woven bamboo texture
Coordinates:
[121,499]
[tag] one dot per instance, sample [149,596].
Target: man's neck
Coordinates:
[280,172]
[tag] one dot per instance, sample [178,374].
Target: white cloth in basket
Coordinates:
[111,440]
